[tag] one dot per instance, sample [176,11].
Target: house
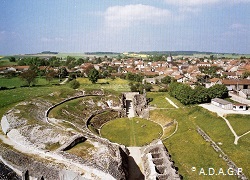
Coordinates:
[230,75]
[236,84]
[3,69]
[160,70]
[212,82]
[203,64]
[179,78]
[21,68]
[240,107]
[150,80]
[232,68]
[222,103]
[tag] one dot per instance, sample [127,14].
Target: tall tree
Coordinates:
[29,77]
[50,75]
[12,59]
[218,91]
[93,75]
[166,80]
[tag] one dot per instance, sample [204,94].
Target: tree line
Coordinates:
[186,95]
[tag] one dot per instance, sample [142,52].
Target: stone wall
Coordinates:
[141,106]
[24,162]
[138,104]
[157,164]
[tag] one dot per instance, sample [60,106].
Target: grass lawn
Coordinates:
[5,62]
[159,99]
[11,82]
[118,85]
[17,82]
[240,123]
[71,106]
[131,132]
[9,98]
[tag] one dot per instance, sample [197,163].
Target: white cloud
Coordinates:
[191,2]
[125,16]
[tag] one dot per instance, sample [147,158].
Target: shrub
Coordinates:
[74,84]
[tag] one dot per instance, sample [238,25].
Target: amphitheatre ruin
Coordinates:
[50,139]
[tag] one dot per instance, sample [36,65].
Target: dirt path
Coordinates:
[64,82]
[172,103]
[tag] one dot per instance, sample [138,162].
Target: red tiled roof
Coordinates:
[236,81]
[150,73]
[229,73]
[178,77]
[214,79]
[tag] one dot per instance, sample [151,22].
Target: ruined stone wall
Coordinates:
[141,106]
[23,163]
[157,163]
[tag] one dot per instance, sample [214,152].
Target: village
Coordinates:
[233,73]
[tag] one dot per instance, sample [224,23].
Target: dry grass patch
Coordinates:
[83,150]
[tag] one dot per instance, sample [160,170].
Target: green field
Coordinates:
[116,85]
[159,100]
[131,132]
[11,82]
[4,61]
[240,123]
[9,98]
[17,82]
[187,147]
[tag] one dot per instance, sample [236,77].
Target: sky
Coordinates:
[77,26]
